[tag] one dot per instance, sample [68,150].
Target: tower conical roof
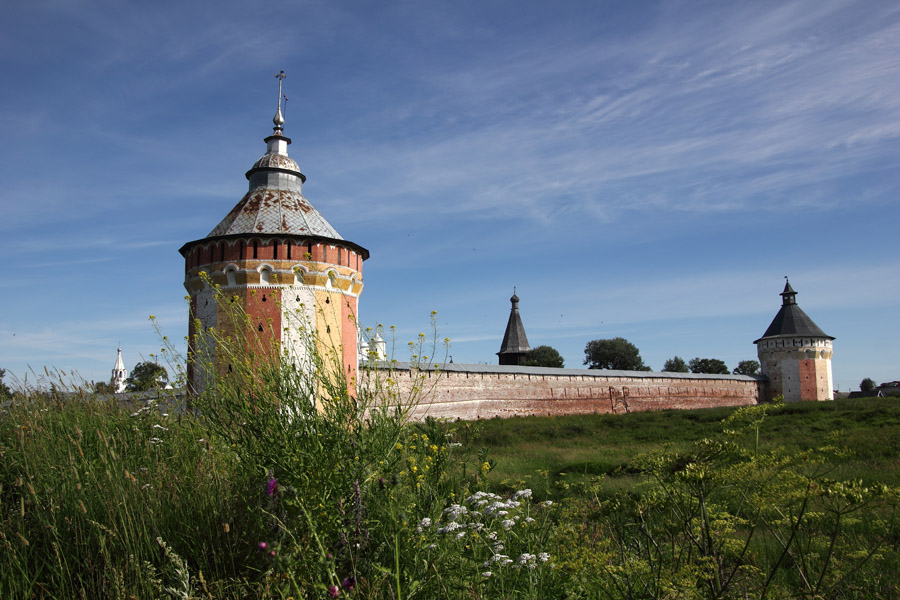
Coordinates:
[791,320]
[275,204]
[514,340]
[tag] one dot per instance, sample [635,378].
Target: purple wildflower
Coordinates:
[333,591]
[263,545]
[272,485]
[348,583]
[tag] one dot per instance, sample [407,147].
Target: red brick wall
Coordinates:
[807,368]
[474,395]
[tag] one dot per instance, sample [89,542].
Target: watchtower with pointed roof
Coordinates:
[515,342]
[795,354]
[279,257]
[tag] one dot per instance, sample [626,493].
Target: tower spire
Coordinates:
[279,118]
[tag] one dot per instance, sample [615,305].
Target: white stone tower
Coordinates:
[795,354]
[119,375]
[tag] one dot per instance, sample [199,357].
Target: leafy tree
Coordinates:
[747,367]
[867,385]
[5,392]
[675,364]
[618,354]
[711,366]
[147,376]
[543,356]
[104,387]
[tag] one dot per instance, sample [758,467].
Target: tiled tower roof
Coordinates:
[791,320]
[275,204]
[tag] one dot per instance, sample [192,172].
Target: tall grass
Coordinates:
[87,485]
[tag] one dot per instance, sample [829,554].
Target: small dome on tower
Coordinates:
[276,161]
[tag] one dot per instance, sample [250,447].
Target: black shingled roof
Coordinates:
[514,340]
[791,320]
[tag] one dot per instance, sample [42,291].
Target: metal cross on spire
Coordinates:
[279,119]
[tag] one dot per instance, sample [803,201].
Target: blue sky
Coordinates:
[650,170]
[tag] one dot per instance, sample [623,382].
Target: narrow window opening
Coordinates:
[255,248]
[222,252]
[340,255]
[309,249]
[289,250]
[229,368]
[275,251]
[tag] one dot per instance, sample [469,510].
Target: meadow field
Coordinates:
[268,495]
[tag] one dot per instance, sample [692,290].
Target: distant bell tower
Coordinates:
[278,256]
[119,374]
[515,342]
[795,354]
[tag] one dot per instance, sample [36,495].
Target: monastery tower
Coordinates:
[278,256]
[795,354]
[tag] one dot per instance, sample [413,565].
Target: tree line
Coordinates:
[618,354]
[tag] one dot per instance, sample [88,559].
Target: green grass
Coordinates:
[538,450]
[87,487]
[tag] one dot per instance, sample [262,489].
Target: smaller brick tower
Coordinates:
[277,256]
[795,354]
[515,342]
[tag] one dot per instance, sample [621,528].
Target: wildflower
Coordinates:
[423,524]
[507,523]
[547,503]
[271,485]
[333,591]
[543,557]
[460,535]
[263,545]
[348,583]
[145,486]
[486,574]
[526,493]
[155,440]
[529,520]
[160,427]
[455,511]
[450,527]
